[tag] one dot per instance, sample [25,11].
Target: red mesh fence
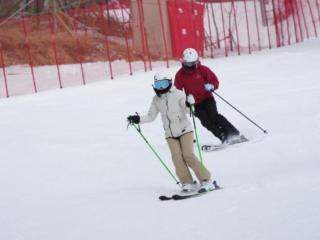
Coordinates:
[56,48]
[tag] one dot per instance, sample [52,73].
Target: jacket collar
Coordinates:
[192,71]
[172,89]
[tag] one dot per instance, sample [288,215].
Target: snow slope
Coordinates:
[70,168]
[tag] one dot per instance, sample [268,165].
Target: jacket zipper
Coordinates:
[167,103]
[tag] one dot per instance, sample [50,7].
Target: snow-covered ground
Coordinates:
[70,169]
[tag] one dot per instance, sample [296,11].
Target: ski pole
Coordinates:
[155,153]
[264,131]
[196,134]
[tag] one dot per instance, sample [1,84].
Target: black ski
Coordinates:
[165,198]
[191,195]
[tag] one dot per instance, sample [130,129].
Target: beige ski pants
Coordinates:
[183,157]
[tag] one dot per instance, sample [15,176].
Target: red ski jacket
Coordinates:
[192,82]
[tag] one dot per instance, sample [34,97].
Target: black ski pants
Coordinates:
[209,117]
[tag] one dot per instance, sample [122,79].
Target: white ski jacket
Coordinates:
[173,110]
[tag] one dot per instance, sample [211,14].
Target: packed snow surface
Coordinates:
[71,169]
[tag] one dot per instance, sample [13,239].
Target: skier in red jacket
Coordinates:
[199,81]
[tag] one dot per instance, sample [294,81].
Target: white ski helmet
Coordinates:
[161,76]
[190,55]
[162,83]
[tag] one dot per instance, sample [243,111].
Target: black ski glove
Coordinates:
[134,119]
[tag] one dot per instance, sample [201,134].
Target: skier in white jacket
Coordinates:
[172,103]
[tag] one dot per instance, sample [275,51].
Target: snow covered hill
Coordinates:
[70,169]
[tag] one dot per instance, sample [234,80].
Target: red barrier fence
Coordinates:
[57,48]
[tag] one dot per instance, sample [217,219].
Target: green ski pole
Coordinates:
[196,134]
[155,152]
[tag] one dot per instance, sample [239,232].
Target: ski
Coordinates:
[200,192]
[216,147]
[179,197]
[165,198]
[197,194]
[213,147]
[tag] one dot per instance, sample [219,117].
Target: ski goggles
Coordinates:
[190,65]
[162,84]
